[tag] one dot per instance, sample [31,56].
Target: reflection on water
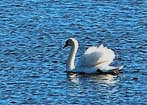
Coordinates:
[97,78]
[73,78]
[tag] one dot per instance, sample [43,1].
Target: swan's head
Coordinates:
[71,42]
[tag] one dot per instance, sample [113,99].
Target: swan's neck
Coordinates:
[70,63]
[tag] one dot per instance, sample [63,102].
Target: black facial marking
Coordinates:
[66,43]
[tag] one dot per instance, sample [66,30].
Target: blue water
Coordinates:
[32,61]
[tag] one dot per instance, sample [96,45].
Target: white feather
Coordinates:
[94,56]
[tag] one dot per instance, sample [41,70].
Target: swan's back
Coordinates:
[94,56]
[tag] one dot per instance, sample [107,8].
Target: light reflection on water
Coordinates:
[100,79]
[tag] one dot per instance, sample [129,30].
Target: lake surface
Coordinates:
[32,61]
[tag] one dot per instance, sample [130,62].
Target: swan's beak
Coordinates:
[65,46]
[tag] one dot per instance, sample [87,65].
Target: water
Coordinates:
[32,61]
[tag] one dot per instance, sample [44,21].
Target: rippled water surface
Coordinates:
[32,61]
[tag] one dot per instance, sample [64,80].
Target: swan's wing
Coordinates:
[96,56]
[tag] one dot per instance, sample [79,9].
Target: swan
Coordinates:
[94,60]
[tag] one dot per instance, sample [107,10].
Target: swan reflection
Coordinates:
[73,77]
[96,78]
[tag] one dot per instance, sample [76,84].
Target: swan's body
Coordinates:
[94,59]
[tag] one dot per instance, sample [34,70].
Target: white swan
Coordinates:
[93,60]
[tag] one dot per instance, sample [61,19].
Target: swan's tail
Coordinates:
[112,70]
[121,67]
